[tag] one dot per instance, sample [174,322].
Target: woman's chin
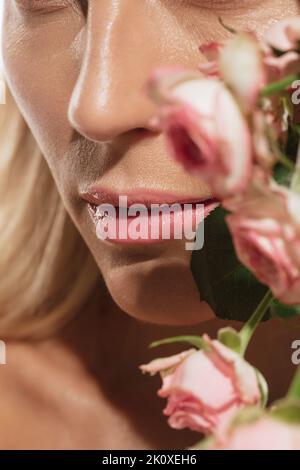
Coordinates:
[158,293]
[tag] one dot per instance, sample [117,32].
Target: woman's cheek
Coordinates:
[37,60]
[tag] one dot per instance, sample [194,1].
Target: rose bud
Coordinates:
[205,388]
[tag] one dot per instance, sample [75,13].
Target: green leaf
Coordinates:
[294,390]
[281,310]
[230,338]
[278,87]
[291,146]
[257,316]
[263,387]
[224,283]
[282,175]
[228,28]
[205,444]
[247,415]
[296,128]
[196,341]
[287,410]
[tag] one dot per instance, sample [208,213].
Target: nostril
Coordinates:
[106,124]
[141,133]
[84,4]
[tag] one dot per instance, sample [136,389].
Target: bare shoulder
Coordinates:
[14,396]
[8,406]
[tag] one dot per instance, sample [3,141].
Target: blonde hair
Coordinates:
[47,273]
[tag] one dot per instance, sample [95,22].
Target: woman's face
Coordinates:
[77,71]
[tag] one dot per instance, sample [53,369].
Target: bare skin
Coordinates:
[81,96]
[83,390]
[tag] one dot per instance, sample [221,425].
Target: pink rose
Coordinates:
[262,149]
[276,117]
[265,227]
[282,66]
[211,51]
[264,433]
[205,129]
[205,388]
[239,62]
[285,34]
[243,70]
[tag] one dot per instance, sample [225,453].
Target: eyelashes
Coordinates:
[226,4]
[50,5]
[39,4]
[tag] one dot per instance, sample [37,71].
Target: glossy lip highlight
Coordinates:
[97,196]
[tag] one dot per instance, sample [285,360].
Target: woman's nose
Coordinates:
[109,99]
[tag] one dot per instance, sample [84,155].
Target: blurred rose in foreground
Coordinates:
[284,35]
[205,129]
[239,63]
[243,70]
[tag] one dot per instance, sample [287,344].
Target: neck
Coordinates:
[105,340]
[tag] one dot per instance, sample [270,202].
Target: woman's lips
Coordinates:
[99,195]
[122,224]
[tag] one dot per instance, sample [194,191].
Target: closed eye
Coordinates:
[51,5]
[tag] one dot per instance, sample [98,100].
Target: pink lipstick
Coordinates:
[147,216]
